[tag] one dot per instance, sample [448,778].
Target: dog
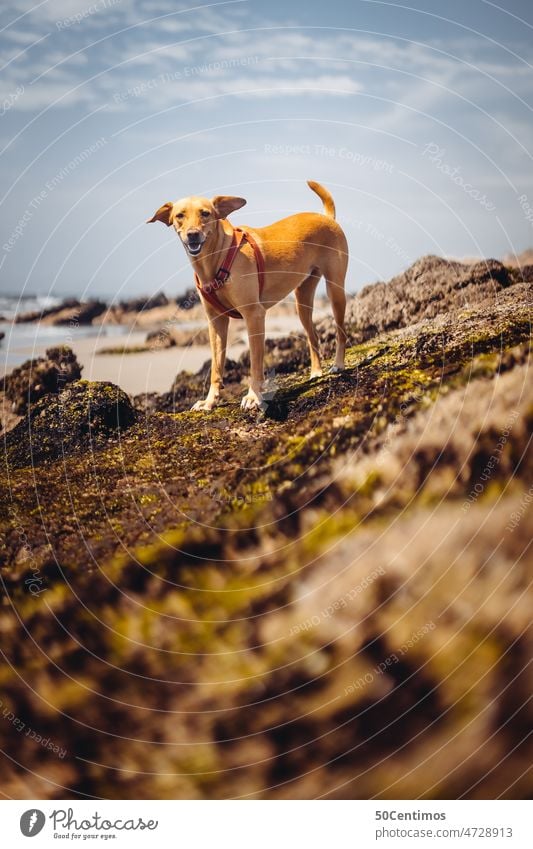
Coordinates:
[296,251]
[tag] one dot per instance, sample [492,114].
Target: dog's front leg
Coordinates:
[254,317]
[218,338]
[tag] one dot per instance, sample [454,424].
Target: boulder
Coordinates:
[189,299]
[39,315]
[82,314]
[431,286]
[35,378]
[80,418]
[144,303]
[173,336]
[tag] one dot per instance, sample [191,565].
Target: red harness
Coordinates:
[209,289]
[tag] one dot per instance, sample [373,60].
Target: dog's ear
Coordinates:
[164,214]
[225,205]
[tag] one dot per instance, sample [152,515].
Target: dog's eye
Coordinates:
[205,214]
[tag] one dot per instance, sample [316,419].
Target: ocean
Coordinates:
[24,341]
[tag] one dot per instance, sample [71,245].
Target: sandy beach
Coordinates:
[141,371]
[144,371]
[155,370]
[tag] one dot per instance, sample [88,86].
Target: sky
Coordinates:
[417,116]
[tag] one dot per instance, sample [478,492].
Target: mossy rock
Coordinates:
[430,287]
[83,416]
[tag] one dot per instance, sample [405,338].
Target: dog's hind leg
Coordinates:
[337,297]
[305,294]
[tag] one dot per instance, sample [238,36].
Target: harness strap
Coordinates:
[209,289]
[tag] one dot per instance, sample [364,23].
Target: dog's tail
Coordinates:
[325,197]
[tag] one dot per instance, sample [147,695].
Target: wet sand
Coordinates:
[145,371]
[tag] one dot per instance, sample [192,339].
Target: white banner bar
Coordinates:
[267,824]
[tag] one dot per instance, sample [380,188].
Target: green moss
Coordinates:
[122,350]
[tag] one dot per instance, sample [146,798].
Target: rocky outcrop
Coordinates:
[188,300]
[149,302]
[176,336]
[82,417]
[83,314]
[29,382]
[39,315]
[142,312]
[69,312]
[431,287]
[187,388]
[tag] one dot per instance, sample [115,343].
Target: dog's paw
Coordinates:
[203,406]
[252,401]
[316,374]
[336,369]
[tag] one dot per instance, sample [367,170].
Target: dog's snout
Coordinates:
[194,241]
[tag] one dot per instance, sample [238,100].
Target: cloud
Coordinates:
[107,50]
[112,58]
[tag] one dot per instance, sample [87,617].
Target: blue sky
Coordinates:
[417,116]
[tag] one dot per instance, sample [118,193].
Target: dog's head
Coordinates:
[195,218]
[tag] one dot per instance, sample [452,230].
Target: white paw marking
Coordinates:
[200,406]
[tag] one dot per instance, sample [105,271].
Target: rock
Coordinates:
[29,382]
[189,299]
[188,388]
[69,312]
[525,273]
[233,373]
[8,418]
[282,355]
[326,653]
[430,287]
[140,312]
[144,303]
[286,354]
[169,337]
[39,315]
[160,339]
[82,314]
[81,417]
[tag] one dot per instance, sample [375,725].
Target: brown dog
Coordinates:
[297,252]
